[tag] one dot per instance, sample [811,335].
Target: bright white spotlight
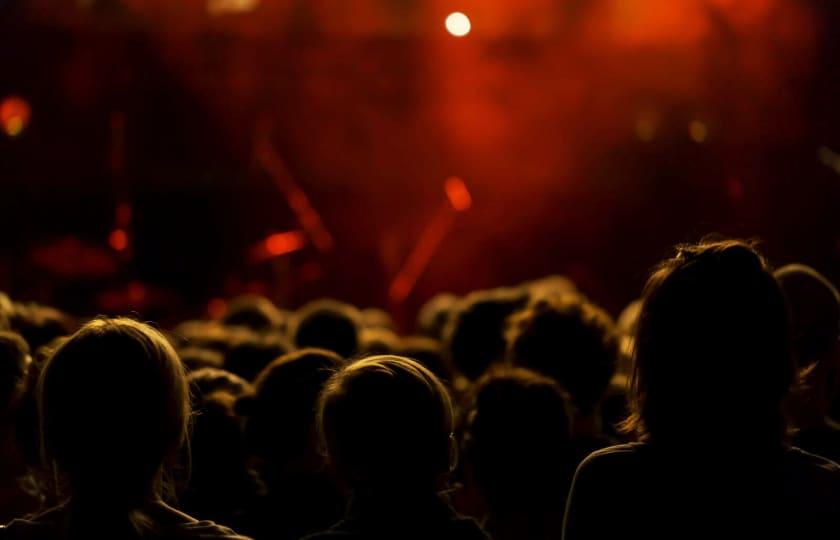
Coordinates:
[458,24]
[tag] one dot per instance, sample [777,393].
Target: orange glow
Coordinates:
[458,24]
[458,194]
[420,257]
[118,239]
[698,131]
[14,115]
[216,308]
[646,125]
[283,243]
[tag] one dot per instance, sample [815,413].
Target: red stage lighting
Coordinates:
[458,194]
[14,115]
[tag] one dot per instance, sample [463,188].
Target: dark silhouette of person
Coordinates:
[218,485]
[814,305]
[518,453]
[573,341]
[386,424]
[712,368]
[114,408]
[254,312]
[327,324]
[475,334]
[17,496]
[301,497]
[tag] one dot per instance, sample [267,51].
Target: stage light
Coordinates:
[226,7]
[282,243]
[458,24]
[118,240]
[14,115]
[698,131]
[458,194]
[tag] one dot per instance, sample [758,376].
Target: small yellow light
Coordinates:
[698,131]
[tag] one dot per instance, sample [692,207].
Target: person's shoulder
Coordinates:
[617,455]
[797,457]
[208,530]
[33,527]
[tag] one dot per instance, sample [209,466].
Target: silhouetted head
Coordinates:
[377,318]
[280,415]
[475,336]
[209,380]
[435,314]
[430,353]
[712,354]
[14,362]
[249,356]
[114,407]
[328,324]
[517,441]
[374,341]
[39,325]
[255,312]
[570,340]
[814,306]
[386,423]
[550,287]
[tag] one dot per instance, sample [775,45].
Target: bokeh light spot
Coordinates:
[458,24]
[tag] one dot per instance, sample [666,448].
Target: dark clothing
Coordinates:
[642,491]
[294,506]
[401,517]
[168,524]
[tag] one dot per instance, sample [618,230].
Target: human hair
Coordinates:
[113,403]
[475,335]
[712,356]
[280,414]
[517,440]
[387,421]
[255,312]
[814,305]
[328,324]
[435,314]
[570,340]
[14,361]
[251,354]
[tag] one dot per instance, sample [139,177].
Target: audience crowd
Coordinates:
[709,408]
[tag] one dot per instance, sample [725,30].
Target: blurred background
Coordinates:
[159,156]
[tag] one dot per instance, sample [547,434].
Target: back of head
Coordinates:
[517,441]
[814,305]
[114,406]
[280,415]
[386,423]
[255,312]
[712,358]
[328,324]
[475,336]
[429,352]
[251,354]
[570,340]
[14,361]
[435,314]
